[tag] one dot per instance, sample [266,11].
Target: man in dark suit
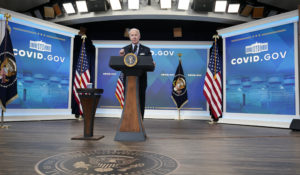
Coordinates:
[139,50]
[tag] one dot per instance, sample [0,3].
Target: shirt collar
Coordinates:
[138,45]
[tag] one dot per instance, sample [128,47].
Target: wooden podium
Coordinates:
[131,126]
[89,99]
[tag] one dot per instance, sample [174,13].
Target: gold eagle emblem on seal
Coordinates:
[130,59]
[7,69]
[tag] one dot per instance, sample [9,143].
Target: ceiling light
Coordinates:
[69,8]
[133,4]
[115,5]
[81,6]
[220,6]
[165,4]
[233,8]
[183,4]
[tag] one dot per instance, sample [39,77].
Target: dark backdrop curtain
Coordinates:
[90,51]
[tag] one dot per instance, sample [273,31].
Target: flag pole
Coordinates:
[83,37]
[179,91]
[2,120]
[7,17]
[179,55]
[179,114]
[82,45]
[215,37]
[215,70]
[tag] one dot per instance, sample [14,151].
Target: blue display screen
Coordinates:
[158,95]
[43,68]
[260,71]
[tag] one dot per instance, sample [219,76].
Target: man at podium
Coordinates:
[139,50]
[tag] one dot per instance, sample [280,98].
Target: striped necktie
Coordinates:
[135,49]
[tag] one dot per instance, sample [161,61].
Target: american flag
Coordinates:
[120,89]
[82,74]
[213,83]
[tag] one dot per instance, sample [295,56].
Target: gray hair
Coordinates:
[132,29]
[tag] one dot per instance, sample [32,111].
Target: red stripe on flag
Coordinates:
[120,92]
[82,74]
[80,82]
[212,91]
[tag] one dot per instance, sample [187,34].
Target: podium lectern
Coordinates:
[131,126]
[89,99]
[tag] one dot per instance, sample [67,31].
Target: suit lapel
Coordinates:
[140,49]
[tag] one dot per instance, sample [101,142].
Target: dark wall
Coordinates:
[157,30]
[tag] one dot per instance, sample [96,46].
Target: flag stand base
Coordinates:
[4,126]
[87,138]
[2,121]
[179,117]
[212,122]
[80,118]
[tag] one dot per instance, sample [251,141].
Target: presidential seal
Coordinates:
[8,70]
[106,162]
[130,59]
[179,85]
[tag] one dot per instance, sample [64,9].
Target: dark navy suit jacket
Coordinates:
[143,51]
